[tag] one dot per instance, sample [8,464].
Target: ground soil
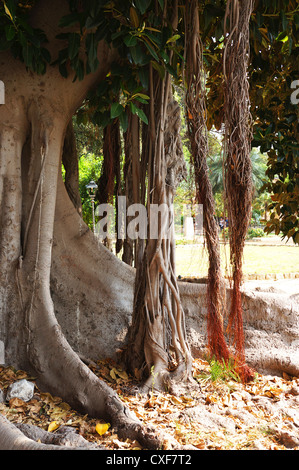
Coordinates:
[220,413]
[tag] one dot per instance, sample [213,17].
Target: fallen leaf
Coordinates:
[122,374]
[102,428]
[119,444]
[112,374]
[65,406]
[16,403]
[227,400]
[211,399]
[53,426]
[175,401]
[115,373]
[237,396]
[137,373]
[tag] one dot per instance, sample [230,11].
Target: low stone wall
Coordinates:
[271,321]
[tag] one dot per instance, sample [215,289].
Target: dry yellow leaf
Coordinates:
[237,396]
[65,406]
[227,400]
[175,401]
[137,373]
[115,373]
[122,374]
[16,403]
[211,399]
[53,426]
[8,12]
[102,428]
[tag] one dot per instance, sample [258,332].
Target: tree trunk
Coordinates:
[132,181]
[109,181]
[33,125]
[70,163]
[157,347]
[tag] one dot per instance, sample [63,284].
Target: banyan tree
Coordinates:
[121,62]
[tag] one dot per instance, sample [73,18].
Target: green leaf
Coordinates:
[102,88]
[130,41]
[94,22]
[91,46]
[141,114]
[164,56]
[123,119]
[22,39]
[80,70]
[102,119]
[173,38]
[171,70]
[63,70]
[69,20]
[141,95]
[283,37]
[116,110]
[160,69]
[152,51]
[138,56]
[284,20]
[143,77]
[46,54]
[28,54]
[74,44]
[10,32]
[142,5]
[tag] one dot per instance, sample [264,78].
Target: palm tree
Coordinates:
[258,171]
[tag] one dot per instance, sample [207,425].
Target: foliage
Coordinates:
[220,371]
[89,169]
[137,31]
[89,141]
[274,67]
[277,120]
[255,232]
[25,43]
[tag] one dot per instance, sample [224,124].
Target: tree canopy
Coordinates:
[141,36]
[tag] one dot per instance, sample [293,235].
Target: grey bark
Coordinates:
[32,133]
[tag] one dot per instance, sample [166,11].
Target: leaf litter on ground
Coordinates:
[217,414]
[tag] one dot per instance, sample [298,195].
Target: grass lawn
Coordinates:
[192,260]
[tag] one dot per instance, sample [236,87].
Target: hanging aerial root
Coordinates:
[196,115]
[238,177]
